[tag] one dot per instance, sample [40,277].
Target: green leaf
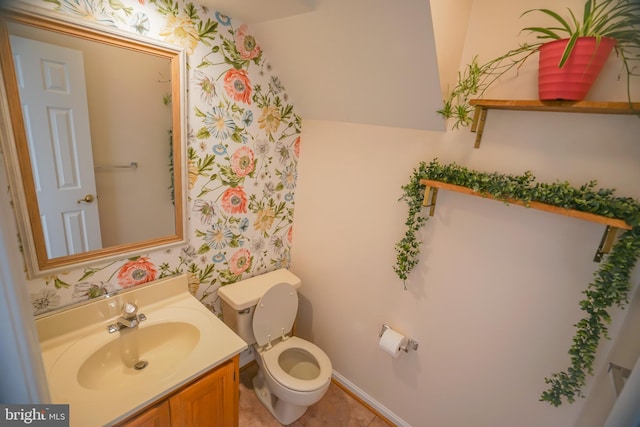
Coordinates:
[554,15]
[567,50]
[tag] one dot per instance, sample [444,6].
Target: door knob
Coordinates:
[87,199]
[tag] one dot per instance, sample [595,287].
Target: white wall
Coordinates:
[359,61]
[23,376]
[496,293]
[449,39]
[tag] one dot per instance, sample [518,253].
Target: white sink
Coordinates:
[150,350]
[98,373]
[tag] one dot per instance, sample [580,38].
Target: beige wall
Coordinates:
[449,39]
[135,204]
[496,293]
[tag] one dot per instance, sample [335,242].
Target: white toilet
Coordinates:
[293,373]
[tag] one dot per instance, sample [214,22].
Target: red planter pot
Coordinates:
[575,78]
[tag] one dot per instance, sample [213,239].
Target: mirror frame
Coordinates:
[15,148]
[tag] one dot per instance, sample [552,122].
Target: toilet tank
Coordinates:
[239,299]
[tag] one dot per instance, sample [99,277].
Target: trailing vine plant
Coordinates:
[611,284]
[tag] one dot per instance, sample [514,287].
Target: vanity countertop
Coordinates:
[180,339]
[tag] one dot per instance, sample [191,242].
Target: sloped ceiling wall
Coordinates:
[359,61]
[252,11]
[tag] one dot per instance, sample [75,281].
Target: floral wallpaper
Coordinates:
[242,152]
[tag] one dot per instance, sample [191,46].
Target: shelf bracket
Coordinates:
[477,126]
[606,243]
[430,196]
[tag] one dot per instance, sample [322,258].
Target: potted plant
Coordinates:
[605,25]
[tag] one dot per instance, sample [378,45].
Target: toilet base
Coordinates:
[286,413]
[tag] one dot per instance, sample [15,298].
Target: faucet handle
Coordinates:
[129,318]
[129,310]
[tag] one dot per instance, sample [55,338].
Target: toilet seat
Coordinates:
[271,359]
[272,319]
[275,313]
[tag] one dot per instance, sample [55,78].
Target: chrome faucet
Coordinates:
[129,318]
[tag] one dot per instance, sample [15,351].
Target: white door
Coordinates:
[54,105]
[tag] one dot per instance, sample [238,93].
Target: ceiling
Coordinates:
[360,61]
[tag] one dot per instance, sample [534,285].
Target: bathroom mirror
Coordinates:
[92,127]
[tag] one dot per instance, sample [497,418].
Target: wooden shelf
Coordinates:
[586,107]
[612,224]
[596,107]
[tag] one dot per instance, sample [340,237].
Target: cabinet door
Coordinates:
[210,401]
[158,416]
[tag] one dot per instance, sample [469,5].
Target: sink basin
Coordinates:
[87,366]
[104,362]
[162,346]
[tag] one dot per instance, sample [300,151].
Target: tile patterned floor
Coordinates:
[336,409]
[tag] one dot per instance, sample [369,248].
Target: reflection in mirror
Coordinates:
[96,120]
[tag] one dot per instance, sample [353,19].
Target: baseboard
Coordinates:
[380,410]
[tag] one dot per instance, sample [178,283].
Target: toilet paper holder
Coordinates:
[411,343]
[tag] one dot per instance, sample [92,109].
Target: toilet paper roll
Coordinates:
[392,341]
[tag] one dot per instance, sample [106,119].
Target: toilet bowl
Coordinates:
[296,372]
[293,373]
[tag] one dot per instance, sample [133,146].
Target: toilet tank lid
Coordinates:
[246,293]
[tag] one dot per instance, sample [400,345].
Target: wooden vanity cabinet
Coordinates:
[155,416]
[210,400]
